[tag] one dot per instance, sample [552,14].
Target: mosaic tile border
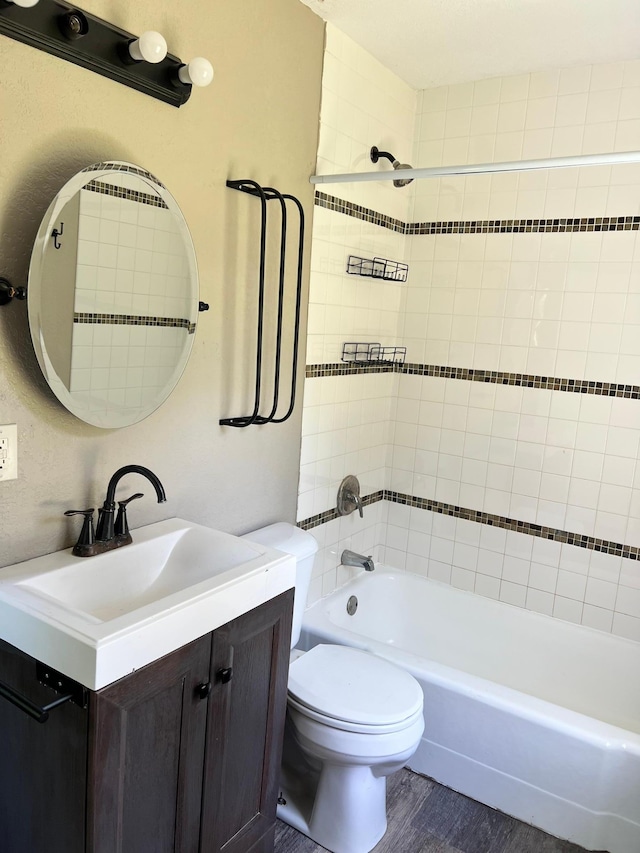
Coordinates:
[527,226]
[495,377]
[133,320]
[477,226]
[366,214]
[554,534]
[123,167]
[331,514]
[96,186]
[339,368]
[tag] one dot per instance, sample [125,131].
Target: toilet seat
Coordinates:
[353,690]
[361,728]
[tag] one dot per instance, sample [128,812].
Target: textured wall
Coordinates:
[259,119]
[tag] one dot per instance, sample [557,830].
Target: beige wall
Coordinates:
[259,119]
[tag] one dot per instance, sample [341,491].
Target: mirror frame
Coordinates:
[36,282]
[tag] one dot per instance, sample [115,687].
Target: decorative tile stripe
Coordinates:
[123,192]
[331,514]
[591,543]
[314,371]
[479,226]
[526,226]
[495,377]
[526,380]
[129,168]
[554,534]
[134,320]
[366,214]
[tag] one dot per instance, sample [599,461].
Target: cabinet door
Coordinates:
[146,753]
[43,766]
[245,729]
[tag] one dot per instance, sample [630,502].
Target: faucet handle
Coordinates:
[87,536]
[354,498]
[122,526]
[132,498]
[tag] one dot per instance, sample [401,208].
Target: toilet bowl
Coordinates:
[352,720]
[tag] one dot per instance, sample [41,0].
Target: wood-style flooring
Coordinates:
[425,817]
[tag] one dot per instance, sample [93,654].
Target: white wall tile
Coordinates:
[552,304]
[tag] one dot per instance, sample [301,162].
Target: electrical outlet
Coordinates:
[9,452]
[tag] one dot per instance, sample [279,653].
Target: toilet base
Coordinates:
[342,808]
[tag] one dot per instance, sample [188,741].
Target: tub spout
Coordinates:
[350,558]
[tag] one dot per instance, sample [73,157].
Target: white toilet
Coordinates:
[352,720]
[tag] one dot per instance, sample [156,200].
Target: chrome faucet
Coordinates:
[350,558]
[112,533]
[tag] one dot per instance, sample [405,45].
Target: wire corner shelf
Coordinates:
[377,268]
[368,352]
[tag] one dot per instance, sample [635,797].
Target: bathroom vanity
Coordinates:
[155,762]
[181,754]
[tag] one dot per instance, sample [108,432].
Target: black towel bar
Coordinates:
[40,715]
[266,194]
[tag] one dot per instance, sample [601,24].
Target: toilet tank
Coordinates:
[302,545]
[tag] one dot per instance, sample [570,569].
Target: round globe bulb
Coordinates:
[26,4]
[199,72]
[150,47]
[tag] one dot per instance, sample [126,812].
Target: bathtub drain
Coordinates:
[352,605]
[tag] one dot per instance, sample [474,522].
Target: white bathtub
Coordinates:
[531,715]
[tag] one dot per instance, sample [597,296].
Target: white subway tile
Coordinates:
[513,593]
[489,587]
[567,609]
[539,601]
[597,617]
[626,626]
[601,593]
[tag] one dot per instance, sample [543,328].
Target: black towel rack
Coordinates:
[266,194]
[71,692]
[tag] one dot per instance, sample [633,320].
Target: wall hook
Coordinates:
[55,234]
[9,292]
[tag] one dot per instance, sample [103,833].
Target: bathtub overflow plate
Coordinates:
[352,605]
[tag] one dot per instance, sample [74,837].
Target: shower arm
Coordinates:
[617,158]
[375,154]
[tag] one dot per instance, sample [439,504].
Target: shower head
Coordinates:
[376,154]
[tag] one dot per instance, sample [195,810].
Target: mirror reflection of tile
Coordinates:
[130,315]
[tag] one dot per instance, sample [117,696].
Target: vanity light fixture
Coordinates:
[140,62]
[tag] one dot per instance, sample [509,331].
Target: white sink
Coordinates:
[99,618]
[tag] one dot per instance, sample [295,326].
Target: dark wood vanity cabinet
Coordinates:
[182,756]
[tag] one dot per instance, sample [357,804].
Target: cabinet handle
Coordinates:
[224,675]
[203,690]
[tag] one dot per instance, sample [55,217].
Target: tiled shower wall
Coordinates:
[346,421]
[516,275]
[532,280]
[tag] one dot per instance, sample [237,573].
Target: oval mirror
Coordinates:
[113,294]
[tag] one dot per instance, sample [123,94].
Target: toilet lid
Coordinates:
[355,686]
